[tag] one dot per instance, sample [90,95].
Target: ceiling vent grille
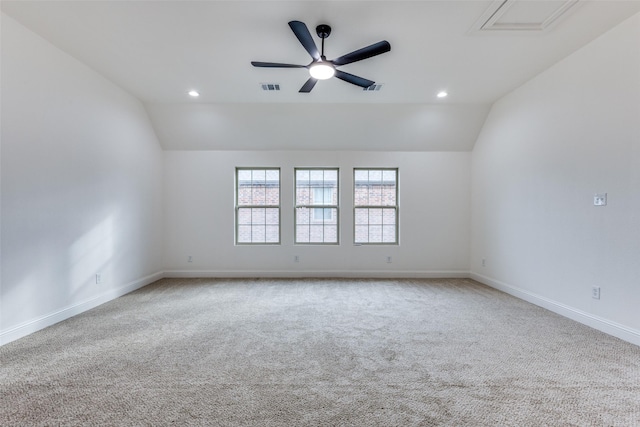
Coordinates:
[514,15]
[269,87]
[373,88]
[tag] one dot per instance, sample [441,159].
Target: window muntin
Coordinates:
[257,205]
[316,206]
[375,199]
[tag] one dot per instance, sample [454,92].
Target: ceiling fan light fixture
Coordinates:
[322,70]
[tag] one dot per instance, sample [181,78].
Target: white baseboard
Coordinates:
[363,274]
[39,323]
[612,328]
[607,326]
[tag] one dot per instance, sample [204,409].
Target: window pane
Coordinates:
[325,215]
[325,196]
[302,196]
[272,216]
[375,176]
[331,177]
[272,234]
[361,195]
[244,195]
[272,194]
[333,195]
[302,233]
[258,195]
[388,233]
[316,234]
[244,234]
[318,215]
[258,234]
[316,177]
[244,176]
[389,195]
[362,216]
[331,234]
[259,176]
[258,216]
[389,177]
[361,175]
[375,233]
[375,195]
[330,215]
[273,176]
[375,216]
[362,234]
[388,216]
[302,177]
[302,215]
[244,216]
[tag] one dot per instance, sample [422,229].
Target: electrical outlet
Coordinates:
[484,262]
[98,278]
[595,292]
[296,258]
[389,260]
[189,258]
[600,199]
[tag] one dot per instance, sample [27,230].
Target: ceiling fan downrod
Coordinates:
[323,31]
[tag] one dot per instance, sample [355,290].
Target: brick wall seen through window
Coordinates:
[257,205]
[316,210]
[375,201]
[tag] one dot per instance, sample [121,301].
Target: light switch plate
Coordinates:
[600,199]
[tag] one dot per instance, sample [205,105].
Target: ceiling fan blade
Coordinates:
[364,53]
[350,78]
[304,36]
[275,65]
[309,84]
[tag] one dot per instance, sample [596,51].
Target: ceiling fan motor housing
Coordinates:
[323,31]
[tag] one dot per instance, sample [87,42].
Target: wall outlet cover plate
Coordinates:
[600,199]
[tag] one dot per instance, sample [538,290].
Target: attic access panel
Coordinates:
[518,15]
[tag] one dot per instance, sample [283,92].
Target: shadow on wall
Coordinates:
[61,277]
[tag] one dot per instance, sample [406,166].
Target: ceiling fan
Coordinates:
[320,68]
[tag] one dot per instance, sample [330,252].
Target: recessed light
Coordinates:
[194,93]
[442,94]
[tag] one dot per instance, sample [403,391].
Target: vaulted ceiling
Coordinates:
[475,50]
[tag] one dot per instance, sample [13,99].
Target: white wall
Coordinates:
[81,187]
[434,216]
[543,153]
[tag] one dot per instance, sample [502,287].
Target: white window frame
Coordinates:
[313,206]
[252,206]
[394,207]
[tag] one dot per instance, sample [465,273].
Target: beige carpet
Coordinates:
[319,353]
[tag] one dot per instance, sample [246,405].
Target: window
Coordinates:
[314,188]
[257,206]
[320,194]
[375,200]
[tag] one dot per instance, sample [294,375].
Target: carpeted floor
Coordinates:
[319,353]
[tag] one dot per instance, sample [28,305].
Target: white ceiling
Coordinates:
[159,50]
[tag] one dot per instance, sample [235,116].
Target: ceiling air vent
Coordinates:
[514,15]
[373,88]
[270,86]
